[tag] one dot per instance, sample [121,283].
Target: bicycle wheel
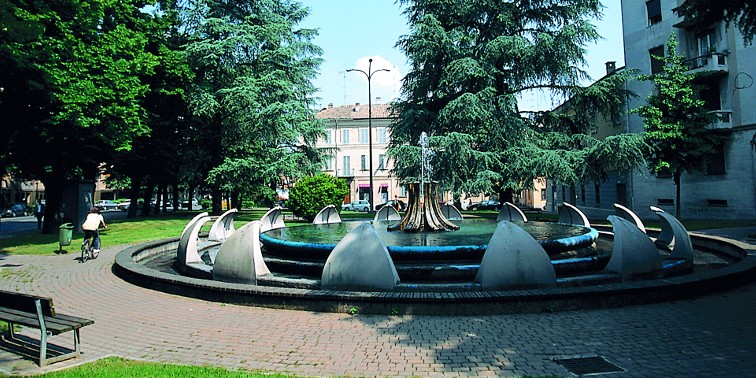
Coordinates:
[85,250]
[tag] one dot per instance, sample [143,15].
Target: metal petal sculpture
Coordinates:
[239,258]
[569,214]
[272,219]
[514,258]
[633,252]
[512,213]
[360,261]
[683,248]
[187,252]
[327,215]
[629,215]
[223,227]
[387,213]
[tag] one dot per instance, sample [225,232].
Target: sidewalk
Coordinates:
[711,336]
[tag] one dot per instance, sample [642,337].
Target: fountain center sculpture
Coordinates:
[423,211]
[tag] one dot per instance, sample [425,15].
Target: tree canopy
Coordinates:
[470,61]
[252,91]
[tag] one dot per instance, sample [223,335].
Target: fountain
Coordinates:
[426,263]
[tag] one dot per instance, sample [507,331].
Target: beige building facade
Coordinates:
[348,139]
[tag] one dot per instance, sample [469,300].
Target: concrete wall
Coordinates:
[737,94]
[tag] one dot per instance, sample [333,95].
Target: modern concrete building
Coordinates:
[726,189]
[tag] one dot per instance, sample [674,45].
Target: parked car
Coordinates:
[396,204]
[194,205]
[124,205]
[106,205]
[486,205]
[361,205]
[16,210]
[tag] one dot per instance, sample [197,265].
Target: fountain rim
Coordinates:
[516,300]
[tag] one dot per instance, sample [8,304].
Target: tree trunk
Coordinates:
[217,200]
[176,202]
[136,184]
[677,194]
[147,198]
[54,184]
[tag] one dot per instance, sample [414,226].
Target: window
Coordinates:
[347,166]
[364,136]
[707,42]
[657,64]
[715,166]
[402,190]
[381,135]
[328,163]
[653,7]
[327,137]
[543,194]
[363,163]
[345,136]
[709,93]
[381,161]
[716,202]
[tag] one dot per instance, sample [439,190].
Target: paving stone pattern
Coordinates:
[712,336]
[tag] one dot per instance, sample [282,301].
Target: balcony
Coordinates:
[345,173]
[725,120]
[712,62]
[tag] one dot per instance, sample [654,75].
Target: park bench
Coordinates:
[38,312]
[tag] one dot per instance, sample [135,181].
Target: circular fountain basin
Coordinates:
[445,257]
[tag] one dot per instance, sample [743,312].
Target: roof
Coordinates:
[355,111]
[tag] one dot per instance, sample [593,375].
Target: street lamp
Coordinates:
[369,75]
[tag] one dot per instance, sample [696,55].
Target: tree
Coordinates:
[251,94]
[74,85]
[312,194]
[704,13]
[470,61]
[676,122]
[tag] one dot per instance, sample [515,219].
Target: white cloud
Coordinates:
[385,86]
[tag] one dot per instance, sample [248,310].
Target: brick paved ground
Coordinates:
[712,336]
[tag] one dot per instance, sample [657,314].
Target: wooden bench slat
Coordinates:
[54,324]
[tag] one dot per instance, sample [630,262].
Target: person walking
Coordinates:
[39,212]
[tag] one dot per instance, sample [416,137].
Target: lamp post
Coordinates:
[369,75]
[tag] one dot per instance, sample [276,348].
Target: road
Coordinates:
[28,224]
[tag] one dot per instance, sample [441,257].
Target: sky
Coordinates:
[353,31]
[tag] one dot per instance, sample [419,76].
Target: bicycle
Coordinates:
[87,250]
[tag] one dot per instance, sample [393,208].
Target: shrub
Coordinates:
[311,194]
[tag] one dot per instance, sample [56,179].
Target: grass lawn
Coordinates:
[119,367]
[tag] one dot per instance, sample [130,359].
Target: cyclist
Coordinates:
[91,225]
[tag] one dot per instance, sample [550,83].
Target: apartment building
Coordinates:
[348,139]
[726,68]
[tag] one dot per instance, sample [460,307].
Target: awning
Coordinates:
[384,185]
[363,186]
